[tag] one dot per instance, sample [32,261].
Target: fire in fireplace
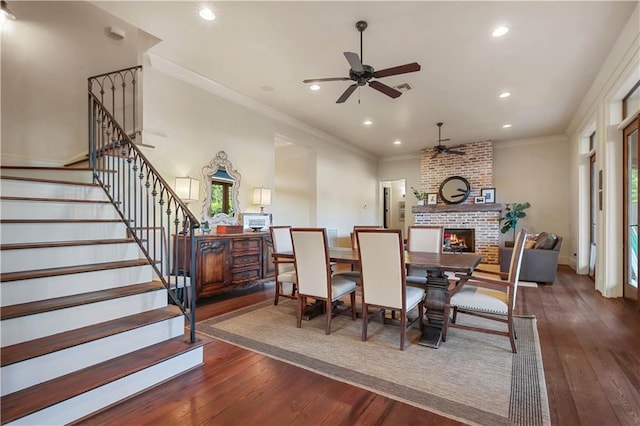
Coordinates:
[459,240]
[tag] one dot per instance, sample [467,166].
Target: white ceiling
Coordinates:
[548,60]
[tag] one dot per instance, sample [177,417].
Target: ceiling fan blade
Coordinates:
[320,80]
[456,146]
[389,91]
[354,61]
[435,155]
[455,152]
[401,69]
[347,93]
[444,140]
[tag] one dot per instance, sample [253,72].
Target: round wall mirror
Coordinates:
[455,190]
[221,183]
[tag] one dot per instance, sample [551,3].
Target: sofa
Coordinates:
[539,262]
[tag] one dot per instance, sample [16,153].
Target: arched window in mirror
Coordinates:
[221,193]
[222,183]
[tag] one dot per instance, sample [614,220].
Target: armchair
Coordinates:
[538,264]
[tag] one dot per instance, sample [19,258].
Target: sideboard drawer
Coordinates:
[245,244]
[245,260]
[238,276]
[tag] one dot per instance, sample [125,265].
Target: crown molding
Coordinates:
[533,141]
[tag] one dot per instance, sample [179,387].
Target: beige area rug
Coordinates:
[473,377]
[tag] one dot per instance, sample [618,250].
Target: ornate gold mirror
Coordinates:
[221,183]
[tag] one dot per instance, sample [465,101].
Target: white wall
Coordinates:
[189,125]
[47,56]
[294,186]
[602,105]
[536,171]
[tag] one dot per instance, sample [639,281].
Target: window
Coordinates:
[631,102]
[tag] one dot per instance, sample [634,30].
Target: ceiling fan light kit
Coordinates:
[362,74]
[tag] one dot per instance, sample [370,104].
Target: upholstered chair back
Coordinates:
[425,238]
[311,261]
[281,238]
[354,241]
[382,262]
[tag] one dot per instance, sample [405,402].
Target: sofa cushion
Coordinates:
[546,241]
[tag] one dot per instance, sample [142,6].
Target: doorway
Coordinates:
[393,204]
[631,210]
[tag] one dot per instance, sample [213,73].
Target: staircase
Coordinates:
[85,322]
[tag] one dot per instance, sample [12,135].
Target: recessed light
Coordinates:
[397,142]
[267,88]
[314,87]
[367,122]
[506,126]
[207,14]
[505,94]
[500,31]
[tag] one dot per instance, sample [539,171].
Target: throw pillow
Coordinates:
[530,241]
[546,241]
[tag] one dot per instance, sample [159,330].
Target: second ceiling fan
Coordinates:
[362,74]
[440,148]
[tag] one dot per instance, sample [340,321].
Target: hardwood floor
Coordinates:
[590,349]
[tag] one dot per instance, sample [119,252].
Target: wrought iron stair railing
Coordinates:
[155,216]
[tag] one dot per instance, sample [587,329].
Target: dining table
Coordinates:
[436,283]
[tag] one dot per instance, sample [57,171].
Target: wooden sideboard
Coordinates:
[229,262]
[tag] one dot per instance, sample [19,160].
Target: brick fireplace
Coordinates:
[477,167]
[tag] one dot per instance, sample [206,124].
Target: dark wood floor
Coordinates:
[590,349]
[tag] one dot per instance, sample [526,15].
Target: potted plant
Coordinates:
[513,212]
[421,196]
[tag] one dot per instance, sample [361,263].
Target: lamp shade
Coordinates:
[187,188]
[262,196]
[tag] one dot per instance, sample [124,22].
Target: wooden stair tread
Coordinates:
[45,345]
[76,269]
[43,395]
[30,308]
[60,220]
[56,200]
[88,169]
[73,243]
[42,180]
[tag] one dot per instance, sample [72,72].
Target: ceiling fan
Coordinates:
[362,74]
[440,148]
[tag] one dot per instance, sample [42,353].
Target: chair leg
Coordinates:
[421,315]
[278,288]
[403,328]
[293,289]
[301,300]
[353,305]
[328,311]
[455,314]
[365,321]
[511,335]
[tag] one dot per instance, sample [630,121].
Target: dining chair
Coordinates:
[423,238]
[313,269]
[354,274]
[384,280]
[285,268]
[489,298]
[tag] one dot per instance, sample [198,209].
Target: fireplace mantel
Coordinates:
[458,208]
